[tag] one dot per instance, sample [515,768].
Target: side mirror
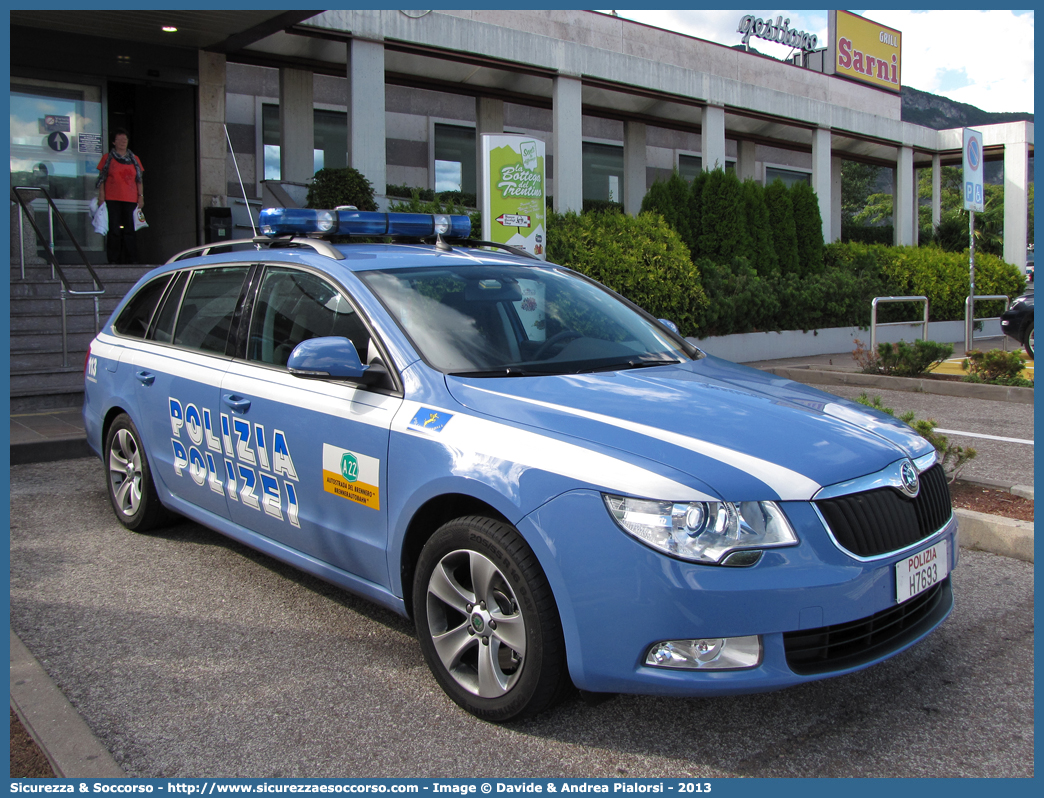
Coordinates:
[328,358]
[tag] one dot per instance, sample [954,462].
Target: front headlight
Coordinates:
[703,531]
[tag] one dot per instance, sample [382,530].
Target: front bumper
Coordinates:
[617,598]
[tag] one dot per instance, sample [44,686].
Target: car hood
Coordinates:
[743,433]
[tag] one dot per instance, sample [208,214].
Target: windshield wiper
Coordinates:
[635,363]
[507,371]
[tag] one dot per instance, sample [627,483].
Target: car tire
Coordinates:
[1029,342]
[128,477]
[487,621]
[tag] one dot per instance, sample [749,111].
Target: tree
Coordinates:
[808,228]
[781,220]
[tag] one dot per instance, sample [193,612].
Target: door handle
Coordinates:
[145,377]
[237,403]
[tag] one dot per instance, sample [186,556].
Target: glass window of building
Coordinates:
[788,176]
[455,159]
[56,144]
[689,166]
[330,132]
[603,169]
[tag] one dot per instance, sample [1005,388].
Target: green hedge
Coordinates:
[640,257]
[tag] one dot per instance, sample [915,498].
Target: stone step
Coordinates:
[49,342]
[79,322]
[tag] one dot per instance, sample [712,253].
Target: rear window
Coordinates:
[136,316]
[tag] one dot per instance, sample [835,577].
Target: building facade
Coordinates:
[239,103]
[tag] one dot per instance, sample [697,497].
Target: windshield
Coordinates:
[519,321]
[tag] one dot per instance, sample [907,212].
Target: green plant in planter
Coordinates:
[996,367]
[347,186]
[901,359]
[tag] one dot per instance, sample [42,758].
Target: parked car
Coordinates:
[553,484]
[1017,322]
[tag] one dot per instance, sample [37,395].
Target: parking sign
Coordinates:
[974,200]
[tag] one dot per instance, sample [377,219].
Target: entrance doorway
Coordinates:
[161,123]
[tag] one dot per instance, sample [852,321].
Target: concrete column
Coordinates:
[936,190]
[567,140]
[904,206]
[367,150]
[835,201]
[634,167]
[296,125]
[1016,202]
[489,118]
[213,147]
[713,136]
[746,161]
[823,178]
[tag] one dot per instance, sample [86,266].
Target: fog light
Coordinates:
[709,653]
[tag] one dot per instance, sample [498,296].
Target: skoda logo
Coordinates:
[908,475]
[478,623]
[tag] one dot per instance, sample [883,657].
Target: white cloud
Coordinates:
[993,48]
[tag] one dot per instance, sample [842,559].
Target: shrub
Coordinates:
[808,228]
[758,234]
[996,367]
[784,233]
[738,299]
[640,257]
[901,359]
[347,186]
[722,229]
[670,198]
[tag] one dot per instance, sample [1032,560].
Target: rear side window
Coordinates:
[294,306]
[136,316]
[207,308]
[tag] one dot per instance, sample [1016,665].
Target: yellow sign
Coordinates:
[868,52]
[352,476]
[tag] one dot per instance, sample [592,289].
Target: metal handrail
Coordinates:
[883,299]
[56,269]
[969,317]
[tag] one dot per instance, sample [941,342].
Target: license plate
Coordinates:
[919,571]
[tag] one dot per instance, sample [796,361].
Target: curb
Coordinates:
[67,742]
[993,533]
[967,390]
[71,448]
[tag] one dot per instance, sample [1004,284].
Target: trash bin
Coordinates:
[218,225]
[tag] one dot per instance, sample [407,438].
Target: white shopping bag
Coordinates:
[139,219]
[99,217]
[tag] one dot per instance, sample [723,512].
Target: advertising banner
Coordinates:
[867,52]
[513,191]
[973,191]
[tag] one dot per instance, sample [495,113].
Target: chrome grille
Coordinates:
[885,520]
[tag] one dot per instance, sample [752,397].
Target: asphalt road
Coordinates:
[190,655]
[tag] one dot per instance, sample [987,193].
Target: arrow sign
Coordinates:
[514,220]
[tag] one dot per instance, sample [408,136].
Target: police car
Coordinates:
[553,484]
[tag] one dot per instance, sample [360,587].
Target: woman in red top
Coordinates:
[120,188]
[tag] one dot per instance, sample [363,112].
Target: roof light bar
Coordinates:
[306,221]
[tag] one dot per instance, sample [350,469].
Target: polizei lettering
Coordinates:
[233,457]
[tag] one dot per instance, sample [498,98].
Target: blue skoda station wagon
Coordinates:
[555,486]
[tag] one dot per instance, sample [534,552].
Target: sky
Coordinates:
[937,47]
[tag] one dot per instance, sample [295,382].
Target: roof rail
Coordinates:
[320,246]
[474,242]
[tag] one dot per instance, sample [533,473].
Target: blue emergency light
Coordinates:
[306,221]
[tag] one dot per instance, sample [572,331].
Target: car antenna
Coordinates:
[241,186]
